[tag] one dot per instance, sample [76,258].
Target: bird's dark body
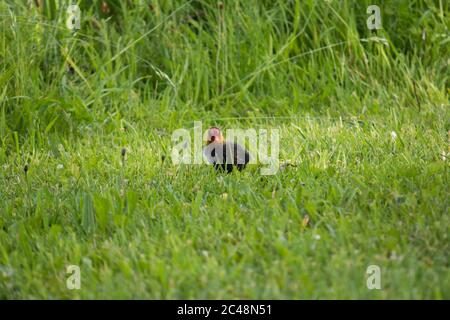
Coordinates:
[226,156]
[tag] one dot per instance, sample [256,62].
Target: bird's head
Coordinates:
[214,135]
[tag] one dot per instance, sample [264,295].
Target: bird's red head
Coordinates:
[214,135]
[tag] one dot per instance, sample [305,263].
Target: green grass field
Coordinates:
[143,227]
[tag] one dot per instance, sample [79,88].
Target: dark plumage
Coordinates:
[224,155]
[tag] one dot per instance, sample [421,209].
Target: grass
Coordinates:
[142,227]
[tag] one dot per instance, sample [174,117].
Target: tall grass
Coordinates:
[238,59]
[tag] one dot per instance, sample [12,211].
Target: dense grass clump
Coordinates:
[86,176]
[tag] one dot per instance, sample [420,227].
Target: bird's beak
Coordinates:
[213,136]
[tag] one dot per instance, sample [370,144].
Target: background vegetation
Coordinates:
[141,227]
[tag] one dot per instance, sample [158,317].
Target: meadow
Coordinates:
[364,121]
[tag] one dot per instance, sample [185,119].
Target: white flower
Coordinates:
[393,135]
[60,166]
[443,156]
[316,237]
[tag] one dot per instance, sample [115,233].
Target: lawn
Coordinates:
[86,171]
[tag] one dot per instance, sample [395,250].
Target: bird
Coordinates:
[222,154]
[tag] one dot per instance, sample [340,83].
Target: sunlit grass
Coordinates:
[142,227]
